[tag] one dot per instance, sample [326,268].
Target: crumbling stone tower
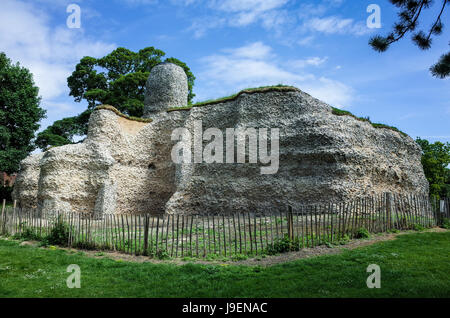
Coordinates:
[166,87]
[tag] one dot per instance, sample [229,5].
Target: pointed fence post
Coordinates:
[3,216]
[388,210]
[146,225]
[290,223]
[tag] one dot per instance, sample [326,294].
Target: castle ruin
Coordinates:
[125,165]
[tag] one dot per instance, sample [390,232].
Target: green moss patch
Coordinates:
[280,88]
[118,113]
[340,112]
[262,89]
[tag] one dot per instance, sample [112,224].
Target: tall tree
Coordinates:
[435,161]
[409,14]
[117,79]
[20,113]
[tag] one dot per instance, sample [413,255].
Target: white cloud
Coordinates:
[139,2]
[248,5]
[200,27]
[240,13]
[275,15]
[312,61]
[256,50]
[331,91]
[336,25]
[256,64]
[306,41]
[49,52]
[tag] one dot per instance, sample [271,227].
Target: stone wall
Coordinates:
[125,166]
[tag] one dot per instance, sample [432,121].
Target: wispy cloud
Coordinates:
[336,25]
[49,51]
[240,13]
[284,18]
[256,64]
[311,61]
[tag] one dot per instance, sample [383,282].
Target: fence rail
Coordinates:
[228,235]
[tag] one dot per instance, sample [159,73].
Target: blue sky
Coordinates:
[320,47]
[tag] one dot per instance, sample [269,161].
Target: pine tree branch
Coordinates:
[416,15]
[438,20]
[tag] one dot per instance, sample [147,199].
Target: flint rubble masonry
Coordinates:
[125,166]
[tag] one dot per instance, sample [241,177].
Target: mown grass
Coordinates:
[413,265]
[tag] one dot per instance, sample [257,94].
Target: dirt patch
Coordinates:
[256,261]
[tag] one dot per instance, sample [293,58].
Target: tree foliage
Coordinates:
[20,113]
[117,79]
[435,161]
[409,14]
[62,132]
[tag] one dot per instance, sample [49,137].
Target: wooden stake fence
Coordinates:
[229,235]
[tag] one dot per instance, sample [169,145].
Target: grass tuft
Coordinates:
[118,113]
[262,89]
[340,112]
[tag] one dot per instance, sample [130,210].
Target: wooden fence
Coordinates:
[229,235]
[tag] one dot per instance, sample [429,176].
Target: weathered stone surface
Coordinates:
[323,157]
[166,87]
[125,166]
[106,200]
[26,186]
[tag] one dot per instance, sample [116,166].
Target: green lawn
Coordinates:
[413,265]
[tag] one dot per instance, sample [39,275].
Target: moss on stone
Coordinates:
[340,112]
[262,89]
[118,113]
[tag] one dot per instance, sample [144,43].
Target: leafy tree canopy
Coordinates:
[435,161]
[20,114]
[409,14]
[117,79]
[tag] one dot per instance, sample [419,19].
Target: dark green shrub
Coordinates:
[362,233]
[162,254]
[239,257]
[26,234]
[446,224]
[283,245]
[418,227]
[59,234]
[344,240]
[159,254]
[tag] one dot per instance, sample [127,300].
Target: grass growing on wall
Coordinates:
[280,88]
[413,265]
[118,113]
[262,89]
[340,112]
